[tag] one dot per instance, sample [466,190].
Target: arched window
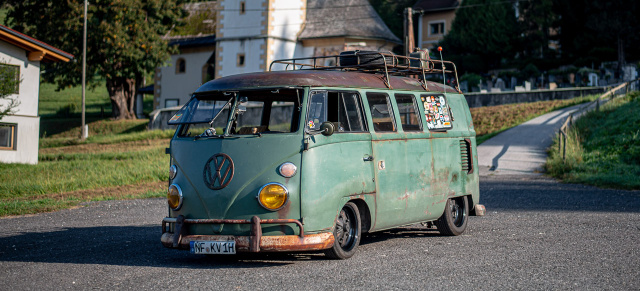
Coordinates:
[181,66]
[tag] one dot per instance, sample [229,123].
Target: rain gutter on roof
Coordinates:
[38,50]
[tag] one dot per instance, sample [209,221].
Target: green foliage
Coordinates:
[473,80]
[591,30]
[606,148]
[67,110]
[485,28]
[530,70]
[537,23]
[124,39]
[9,84]
[392,13]
[201,22]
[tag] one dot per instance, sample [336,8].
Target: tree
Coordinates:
[124,40]
[599,30]
[392,13]
[483,33]
[9,82]
[538,24]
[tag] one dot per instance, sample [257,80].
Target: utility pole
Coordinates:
[408,31]
[85,128]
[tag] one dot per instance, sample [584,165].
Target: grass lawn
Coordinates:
[60,111]
[603,147]
[110,166]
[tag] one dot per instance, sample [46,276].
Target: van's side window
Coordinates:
[317,110]
[408,112]
[381,112]
[343,109]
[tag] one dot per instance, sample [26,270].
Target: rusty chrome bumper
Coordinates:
[253,243]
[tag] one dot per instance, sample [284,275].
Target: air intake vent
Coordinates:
[466,156]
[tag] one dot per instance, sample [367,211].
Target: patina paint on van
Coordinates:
[310,159]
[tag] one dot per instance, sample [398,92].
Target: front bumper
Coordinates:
[255,242]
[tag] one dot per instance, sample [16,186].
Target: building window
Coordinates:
[240,60]
[171,103]
[243,7]
[7,136]
[10,73]
[436,28]
[181,66]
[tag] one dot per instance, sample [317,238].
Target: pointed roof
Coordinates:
[37,50]
[340,18]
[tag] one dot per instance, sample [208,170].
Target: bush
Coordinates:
[67,110]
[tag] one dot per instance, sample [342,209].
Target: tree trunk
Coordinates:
[122,94]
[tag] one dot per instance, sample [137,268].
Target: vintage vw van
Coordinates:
[311,157]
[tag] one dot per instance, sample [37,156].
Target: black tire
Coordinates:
[346,232]
[454,219]
[367,59]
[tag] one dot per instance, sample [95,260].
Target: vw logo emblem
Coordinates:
[218,171]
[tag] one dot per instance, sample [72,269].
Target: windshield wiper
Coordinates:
[218,114]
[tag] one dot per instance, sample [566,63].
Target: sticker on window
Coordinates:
[436,112]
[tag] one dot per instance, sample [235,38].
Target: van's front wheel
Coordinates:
[346,233]
[454,219]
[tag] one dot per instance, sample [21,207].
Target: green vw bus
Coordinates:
[311,157]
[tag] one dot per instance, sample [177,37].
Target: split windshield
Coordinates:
[255,112]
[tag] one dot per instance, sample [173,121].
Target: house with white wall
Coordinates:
[436,17]
[250,34]
[19,130]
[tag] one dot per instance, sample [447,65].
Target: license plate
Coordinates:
[213,247]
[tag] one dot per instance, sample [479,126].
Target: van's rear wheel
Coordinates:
[346,233]
[454,219]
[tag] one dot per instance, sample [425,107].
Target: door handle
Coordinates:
[368,158]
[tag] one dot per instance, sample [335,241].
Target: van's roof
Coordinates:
[317,78]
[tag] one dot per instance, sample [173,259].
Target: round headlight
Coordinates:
[273,196]
[174,197]
[287,169]
[173,171]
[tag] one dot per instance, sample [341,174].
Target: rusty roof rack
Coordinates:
[384,63]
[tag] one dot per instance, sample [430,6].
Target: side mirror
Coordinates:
[327,128]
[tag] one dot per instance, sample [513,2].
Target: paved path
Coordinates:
[522,149]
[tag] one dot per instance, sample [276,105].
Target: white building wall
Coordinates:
[171,85]
[266,31]
[26,113]
[287,18]
[252,51]
[27,131]
[29,74]
[236,24]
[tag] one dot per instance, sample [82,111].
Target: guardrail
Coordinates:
[562,132]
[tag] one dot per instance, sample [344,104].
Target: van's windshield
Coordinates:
[254,112]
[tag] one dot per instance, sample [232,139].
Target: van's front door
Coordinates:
[338,166]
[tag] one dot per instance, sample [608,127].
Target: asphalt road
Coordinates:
[538,234]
